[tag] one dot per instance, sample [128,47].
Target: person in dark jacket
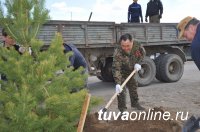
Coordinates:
[154,11]
[189,28]
[135,12]
[77,58]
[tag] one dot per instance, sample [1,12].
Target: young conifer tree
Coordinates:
[33,97]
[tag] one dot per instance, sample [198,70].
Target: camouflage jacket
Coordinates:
[123,63]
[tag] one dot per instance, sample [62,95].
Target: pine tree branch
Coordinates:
[46,91]
[37,30]
[10,31]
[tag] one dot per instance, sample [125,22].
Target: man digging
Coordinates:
[126,58]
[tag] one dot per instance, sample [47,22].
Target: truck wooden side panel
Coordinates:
[82,34]
[106,34]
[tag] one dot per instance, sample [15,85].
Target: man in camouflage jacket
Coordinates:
[127,58]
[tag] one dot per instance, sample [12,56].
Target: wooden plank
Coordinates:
[84,113]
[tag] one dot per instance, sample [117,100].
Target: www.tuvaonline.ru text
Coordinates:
[142,115]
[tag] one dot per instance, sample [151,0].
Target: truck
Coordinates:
[165,53]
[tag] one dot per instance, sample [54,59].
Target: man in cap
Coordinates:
[189,28]
[126,58]
[154,11]
[134,12]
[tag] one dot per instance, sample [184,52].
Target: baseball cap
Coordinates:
[182,25]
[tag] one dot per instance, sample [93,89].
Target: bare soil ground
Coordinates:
[182,96]
[157,125]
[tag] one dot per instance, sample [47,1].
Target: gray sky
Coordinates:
[116,10]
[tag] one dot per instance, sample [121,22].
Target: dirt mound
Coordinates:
[92,124]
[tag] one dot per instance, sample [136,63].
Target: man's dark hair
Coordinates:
[4,33]
[194,21]
[125,37]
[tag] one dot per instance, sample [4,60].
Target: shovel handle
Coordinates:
[115,95]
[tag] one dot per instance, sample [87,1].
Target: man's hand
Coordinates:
[118,89]
[137,67]
[146,19]
[160,16]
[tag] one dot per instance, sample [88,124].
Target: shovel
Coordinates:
[115,95]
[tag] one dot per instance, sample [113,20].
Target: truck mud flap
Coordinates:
[106,72]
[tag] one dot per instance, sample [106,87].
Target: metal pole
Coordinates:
[71,15]
[90,16]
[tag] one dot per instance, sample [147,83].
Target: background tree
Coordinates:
[34,97]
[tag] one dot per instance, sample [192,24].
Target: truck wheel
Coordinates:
[157,62]
[106,71]
[146,75]
[171,68]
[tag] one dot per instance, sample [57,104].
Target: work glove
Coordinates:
[137,67]
[22,49]
[160,16]
[59,72]
[30,50]
[146,19]
[118,89]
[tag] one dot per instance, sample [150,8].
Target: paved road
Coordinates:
[183,95]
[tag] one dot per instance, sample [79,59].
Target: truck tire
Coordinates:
[146,75]
[171,68]
[157,63]
[106,71]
